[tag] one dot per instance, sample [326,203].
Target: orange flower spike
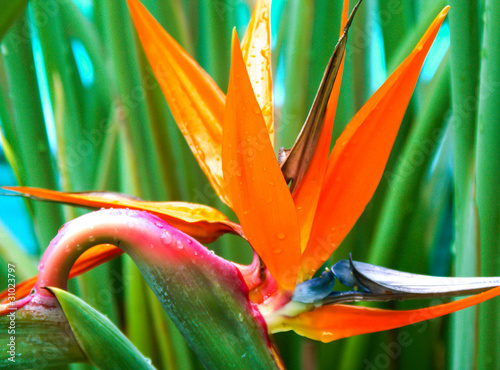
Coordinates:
[254,181]
[202,222]
[329,323]
[358,159]
[256,49]
[195,100]
[306,197]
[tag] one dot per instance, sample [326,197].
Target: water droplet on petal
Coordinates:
[277,251]
[179,244]
[132,213]
[166,237]
[281,235]
[91,238]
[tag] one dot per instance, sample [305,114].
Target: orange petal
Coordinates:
[253,178]
[256,49]
[329,323]
[195,100]
[201,222]
[87,261]
[306,197]
[358,159]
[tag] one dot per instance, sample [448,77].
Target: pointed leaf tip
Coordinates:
[329,323]
[195,100]
[104,345]
[256,49]
[253,178]
[359,156]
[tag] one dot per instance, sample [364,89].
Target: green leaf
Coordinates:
[105,346]
[37,336]
[11,10]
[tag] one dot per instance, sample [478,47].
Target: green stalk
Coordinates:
[403,188]
[394,27]
[217,19]
[405,181]
[62,74]
[464,51]
[119,36]
[487,180]
[163,339]
[33,152]
[296,62]
[411,39]
[140,329]
[11,10]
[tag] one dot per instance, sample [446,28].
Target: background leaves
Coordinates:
[81,110]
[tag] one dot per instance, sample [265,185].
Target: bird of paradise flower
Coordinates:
[294,213]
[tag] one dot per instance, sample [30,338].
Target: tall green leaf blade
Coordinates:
[464,61]
[487,180]
[32,150]
[11,10]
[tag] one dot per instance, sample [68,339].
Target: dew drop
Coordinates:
[269,200]
[281,235]
[91,238]
[131,224]
[256,108]
[267,109]
[159,225]
[250,152]
[166,237]
[277,251]
[240,317]
[179,244]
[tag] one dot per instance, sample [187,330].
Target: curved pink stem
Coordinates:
[141,235]
[205,295]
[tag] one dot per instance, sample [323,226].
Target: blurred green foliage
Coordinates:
[81,110]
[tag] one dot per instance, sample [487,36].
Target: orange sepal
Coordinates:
[329,323]
[254,181]
[306,197]
[88,260]
[195,100]
[201,222]
[256,49]
[358,159]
